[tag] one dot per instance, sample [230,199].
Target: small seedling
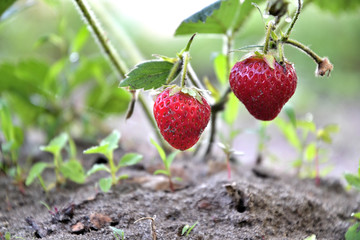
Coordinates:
[228,152]
[118,233]
[167,160]
[71,169]
[107,147]
[187,229]
[14,137]
[308,140]
[312,237]
[152,225]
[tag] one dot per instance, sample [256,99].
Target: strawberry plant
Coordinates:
[167,160]
[309,141]
[70,169]
[107,147]
[13,136]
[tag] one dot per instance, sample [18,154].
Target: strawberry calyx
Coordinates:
[191,91]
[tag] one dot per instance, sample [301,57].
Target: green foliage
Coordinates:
[5,4]
[118,233]
[220,17]
[352,179]
[106,147]
[187,229]
[337,6]
[13,134]
[312,237]
[308,140]
[353,233]
[167,160]
[71,169]
[41,94]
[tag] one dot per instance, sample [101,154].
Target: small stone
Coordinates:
[78,228]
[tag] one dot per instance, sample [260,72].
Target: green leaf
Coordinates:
[121,177]
[289,132]
[104,100]
[310,151]
[220,67]
[130,159]
[338,6]
[56,144]
[270,60]
[117,233]
[290,113]
[73,170]
[353,232]
[4,5]
[312,237]
[105,184]
[35,171]
[356,215]
[7,236]
[162,171]
[80,39]
[103,149]
[232,109]
[107,145]
[98,167]
[220,17]
[352,180]
[170,159]
[324,134]
[148,75]
[306,125]
[160,150]
[185,228]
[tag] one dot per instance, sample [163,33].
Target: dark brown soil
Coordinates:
[256,204]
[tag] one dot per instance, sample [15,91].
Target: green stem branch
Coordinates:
[287,35]
[267,38]
[118,63]
[304,48]
[100,36]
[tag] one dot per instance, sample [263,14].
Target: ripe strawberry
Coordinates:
[262,89]
[181,117]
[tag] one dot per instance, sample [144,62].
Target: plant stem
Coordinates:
[305,49]
[112,168]
[228,166]
[287,35]
[267,38]
[173,71]
[100,36]
[186,58]
[220,104]
[317,170]
[116,61]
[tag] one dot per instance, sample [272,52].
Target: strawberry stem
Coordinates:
[186,58]
[287,35]
[304,48]
[173,71]
[267,38]
[109,51]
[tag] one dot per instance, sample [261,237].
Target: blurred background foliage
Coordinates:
[53,77]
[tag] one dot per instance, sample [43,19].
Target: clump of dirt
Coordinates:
[256,204]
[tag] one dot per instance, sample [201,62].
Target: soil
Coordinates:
[256,204]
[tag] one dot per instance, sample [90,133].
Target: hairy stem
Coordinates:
[287,35]
[267,38]
[304,48]
[109,51]
[186,58]
[99,34]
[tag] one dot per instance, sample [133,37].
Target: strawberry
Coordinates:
[262,86]
[181,115]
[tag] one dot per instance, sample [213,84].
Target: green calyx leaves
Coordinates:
[191,91]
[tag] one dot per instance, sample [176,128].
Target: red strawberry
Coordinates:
[181,117]
[262,89]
